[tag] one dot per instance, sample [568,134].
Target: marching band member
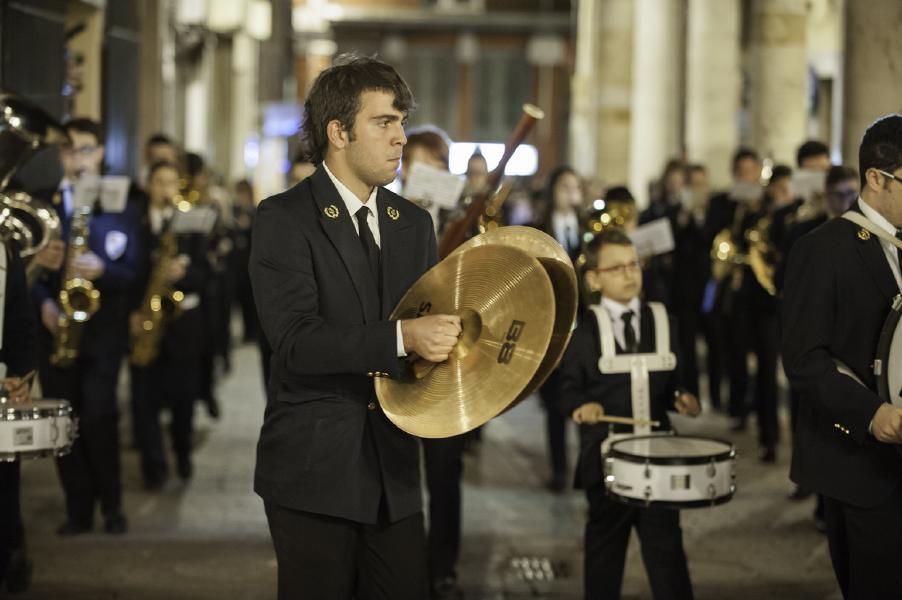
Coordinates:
[442,457]
[330,257]
[18,354]
[91,472]
[612,268]
[840,284]
[170,378]
[562,222]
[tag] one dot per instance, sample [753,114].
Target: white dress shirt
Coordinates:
[353,204]
[566,229]
[158,217]
[615,310]
[888,248]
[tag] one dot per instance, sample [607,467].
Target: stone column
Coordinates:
[778,78]
[712,86]
[873,69]
[613,90]
[657,95]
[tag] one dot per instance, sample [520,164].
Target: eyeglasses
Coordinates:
[890,175]
[83,151]
[620,270]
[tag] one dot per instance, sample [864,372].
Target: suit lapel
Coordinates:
[336,222]
[871,252]
[394,230]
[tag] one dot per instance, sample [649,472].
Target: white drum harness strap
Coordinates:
[637,365]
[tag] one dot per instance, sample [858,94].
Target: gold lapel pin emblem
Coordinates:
[864,235]
[331,211]
[393,213]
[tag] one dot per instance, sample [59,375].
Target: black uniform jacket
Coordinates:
[19,352]
[582,382]
[325,446]
[838,291]
[114,237]
[183,335]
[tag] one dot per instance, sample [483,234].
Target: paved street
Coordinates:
[209,540]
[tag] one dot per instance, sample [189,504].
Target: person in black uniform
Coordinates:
[170,380]
[19,355]
[442,457]
[842,190]
[91,472]
[564,222]
[330,258]
[723,299]
[612,268]
[840,283]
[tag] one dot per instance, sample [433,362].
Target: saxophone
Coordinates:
[162,302]
[78,297]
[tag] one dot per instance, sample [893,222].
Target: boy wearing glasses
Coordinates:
[613,270]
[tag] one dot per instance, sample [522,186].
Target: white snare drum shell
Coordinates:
[45,428]
[670,471]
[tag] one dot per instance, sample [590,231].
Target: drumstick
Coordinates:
[627,421]
[29,376]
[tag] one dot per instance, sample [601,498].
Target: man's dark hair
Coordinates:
[839,173]
[194,164]
[160,164]
[810,149]
[881,147]
[608,237]
[158,139]
[743,154]
[619,193]
[779,172]
[85,125]
[432,139]
[335,96]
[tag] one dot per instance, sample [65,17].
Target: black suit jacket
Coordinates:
[183,336]
[582,382]
[838,292]
[20,325]
[325,446]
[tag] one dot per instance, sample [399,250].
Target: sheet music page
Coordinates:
[653,238]
[432,185]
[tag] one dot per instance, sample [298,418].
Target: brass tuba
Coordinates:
[29,223]
[726,256]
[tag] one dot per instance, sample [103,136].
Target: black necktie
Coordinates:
[898,249]
[369,244]
[629,333]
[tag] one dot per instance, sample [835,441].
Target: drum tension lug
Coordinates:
[712,469]
[647,470]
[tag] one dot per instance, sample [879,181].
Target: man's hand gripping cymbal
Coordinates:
[432,337]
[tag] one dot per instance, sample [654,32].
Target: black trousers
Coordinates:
[91,472]
[756,331]
[688,323]
[555,426]
[324,557]
[607,536]
[444,469]
[713,326]
[12,532]
[168,382]
[866,547]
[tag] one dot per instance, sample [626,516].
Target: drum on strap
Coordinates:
[889,353]
[670,471]
[38,429]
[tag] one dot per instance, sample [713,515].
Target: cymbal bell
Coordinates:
[559,267]
[506,303]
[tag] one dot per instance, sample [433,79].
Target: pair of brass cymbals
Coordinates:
[515,291]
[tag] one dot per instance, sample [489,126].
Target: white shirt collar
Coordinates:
[616,309]
[352,202]
[875,216]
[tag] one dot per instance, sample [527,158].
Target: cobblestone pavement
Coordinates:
[209,539]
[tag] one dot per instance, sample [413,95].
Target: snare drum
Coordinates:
[41,428]
[670,471]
